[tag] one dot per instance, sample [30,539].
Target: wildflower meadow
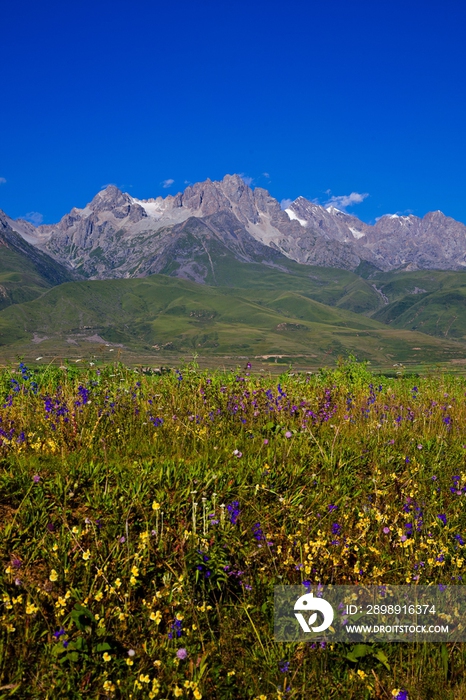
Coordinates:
[145,520]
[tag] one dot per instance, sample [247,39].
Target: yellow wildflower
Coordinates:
[53,575]
[109,687]
[177,691]
[155,506]
[99,595]
[106,656]
[86,555]
[156,617]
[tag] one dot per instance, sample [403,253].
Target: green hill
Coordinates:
[397,284]
[174,314]
[25,272]
[441,314]
[328,285]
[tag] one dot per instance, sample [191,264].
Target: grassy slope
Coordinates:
[328,285]
[25,272]
[158,310]
[19,279]
[439,311]
[397,284]
[441,314]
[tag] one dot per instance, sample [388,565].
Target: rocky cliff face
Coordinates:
[116,235]
[51,271]
[434,242]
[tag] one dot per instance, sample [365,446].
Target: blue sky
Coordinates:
[316,99]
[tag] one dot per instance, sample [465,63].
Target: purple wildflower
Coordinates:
[257,532]
[176,629]
[402,695]
[233,509]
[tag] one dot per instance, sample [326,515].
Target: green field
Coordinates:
[145,520]
[284,313]
[160,314]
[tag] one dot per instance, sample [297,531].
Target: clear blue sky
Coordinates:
[319,99]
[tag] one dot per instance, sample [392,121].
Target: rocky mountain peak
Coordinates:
[437,217]
[109,198]
[119,235]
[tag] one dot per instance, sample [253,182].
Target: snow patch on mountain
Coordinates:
[292,216]
[356,233]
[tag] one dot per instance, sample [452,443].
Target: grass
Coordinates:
[20,281]
[441,313]
[160,312]
[145,521]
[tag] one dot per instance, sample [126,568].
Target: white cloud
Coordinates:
[2,180]
[246,179]
[167,183]
[34,217]
[285,203]
[346,200]
[266,174]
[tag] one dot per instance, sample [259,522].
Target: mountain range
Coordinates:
[117,235]
[223,268]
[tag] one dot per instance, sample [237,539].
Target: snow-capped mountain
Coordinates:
[117,235]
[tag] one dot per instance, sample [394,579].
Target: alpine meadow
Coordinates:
[232,350]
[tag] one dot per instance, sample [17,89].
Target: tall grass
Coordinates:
[145,520]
